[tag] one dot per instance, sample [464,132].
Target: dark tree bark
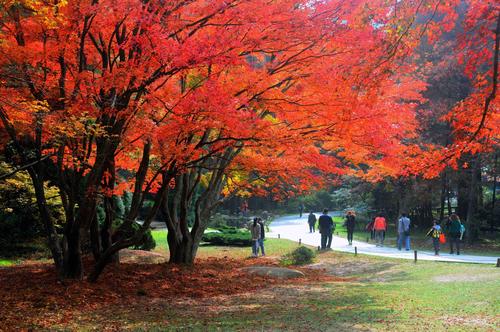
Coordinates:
[95,239]
[73,265]
[463,192]
[183,243]
[473,200]
[137,201]
[442,198]
[53,240]
[109,209]
[494,191]
[36,174]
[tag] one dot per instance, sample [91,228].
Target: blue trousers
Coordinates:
[261,245]
[406,238]
[255,247]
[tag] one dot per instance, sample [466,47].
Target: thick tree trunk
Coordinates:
[128,242]
[95,239]
[73,265]
[473,201]
[53,240]
[132,215]
[107,230]
[109,208]
[183,251]
[463,192]
[448,199]
[427,214]
[494,192]
[443,196]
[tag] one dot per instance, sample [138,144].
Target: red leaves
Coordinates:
[40,300]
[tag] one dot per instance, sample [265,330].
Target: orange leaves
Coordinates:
[306,90]
[44,302]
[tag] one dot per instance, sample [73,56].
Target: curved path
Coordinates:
[295,228]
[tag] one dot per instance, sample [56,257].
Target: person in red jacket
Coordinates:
[380,226]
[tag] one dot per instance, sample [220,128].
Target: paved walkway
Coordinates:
[293,228]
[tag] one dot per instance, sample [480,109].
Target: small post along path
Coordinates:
[296,229]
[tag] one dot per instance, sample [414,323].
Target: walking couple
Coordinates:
[326,228]
[257,229]
[379,225]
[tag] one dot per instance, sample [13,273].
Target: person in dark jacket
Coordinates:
[326,229]
[454,229]
[262,236]
[255,231]
[350,224]
[311,220]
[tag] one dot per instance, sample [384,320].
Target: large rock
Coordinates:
[274,272]
[141,257]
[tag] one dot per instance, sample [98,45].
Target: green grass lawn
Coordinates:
[375,294]
[7,262]
[273,247]
[366,294]
[392,296]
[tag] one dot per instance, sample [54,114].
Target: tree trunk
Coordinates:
[494,192]
[473,201]
[463,192]
[95,239]
[448,199]
[183,251]
[132,215]
[443,196]
[107,229]
[109,208]
[73,265]
[52,236]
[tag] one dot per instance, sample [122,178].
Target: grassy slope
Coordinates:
[401,296]
[391,295]
[379,294]
[6,262]
[273,247]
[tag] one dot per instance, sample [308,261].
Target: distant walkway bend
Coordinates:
[295,228]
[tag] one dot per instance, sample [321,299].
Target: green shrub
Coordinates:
[147,241]
[20,221]
[220,220]
[300,256]
[229,236]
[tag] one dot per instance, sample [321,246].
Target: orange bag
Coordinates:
[442,238]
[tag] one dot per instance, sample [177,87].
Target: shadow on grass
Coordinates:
[299,308]
[365,271]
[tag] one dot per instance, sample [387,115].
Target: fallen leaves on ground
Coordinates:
[33,297]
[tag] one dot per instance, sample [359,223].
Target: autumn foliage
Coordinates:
[191,102]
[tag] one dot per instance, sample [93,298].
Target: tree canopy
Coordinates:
[190,102]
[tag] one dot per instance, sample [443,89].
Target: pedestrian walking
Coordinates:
[326,229]
[311,220]
[301,209]
[380,226]
[255,231]
[244,208]
[455,233]
[435,233]
[350,224]
[369,228]
[404,232]
[261,237]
